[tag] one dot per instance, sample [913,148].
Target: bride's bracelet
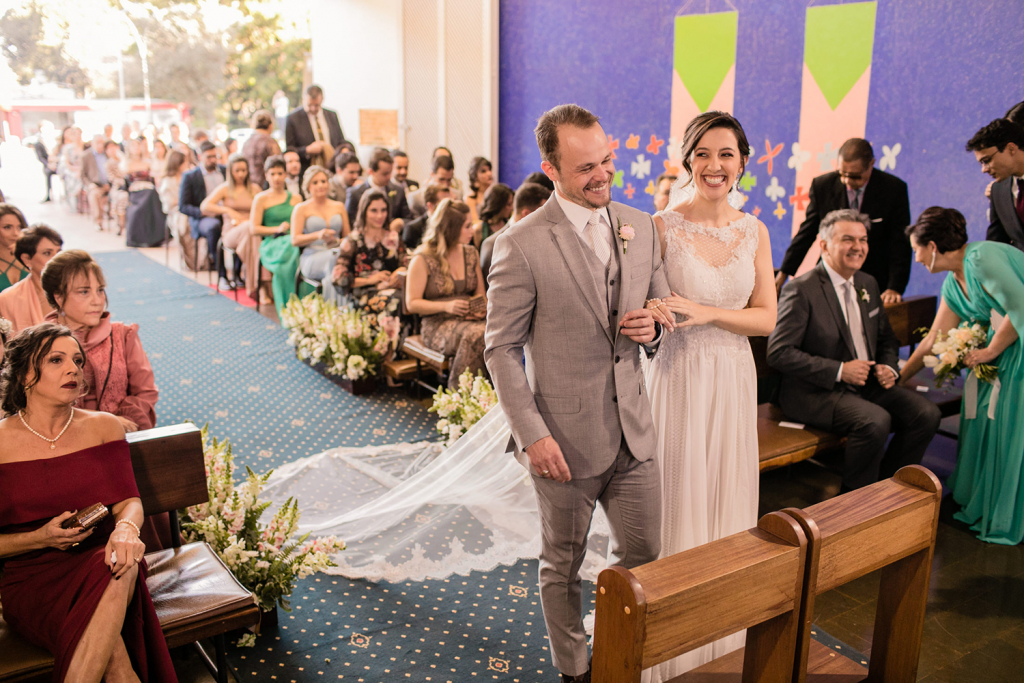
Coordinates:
[653,303]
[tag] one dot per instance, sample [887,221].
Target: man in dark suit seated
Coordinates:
[880,195]
[196,184]
[414,230]
[839,359]
[312,131]
[999,147]
[379,178]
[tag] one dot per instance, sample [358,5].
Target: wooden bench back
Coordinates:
[890,525]
[750,580]
[910,315]
[169,467]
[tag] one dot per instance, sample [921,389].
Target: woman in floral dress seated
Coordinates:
[82,595]
[444,277]
[370,270]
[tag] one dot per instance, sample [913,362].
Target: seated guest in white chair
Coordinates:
[839,359]
[25,304]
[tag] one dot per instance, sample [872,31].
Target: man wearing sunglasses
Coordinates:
[882,196]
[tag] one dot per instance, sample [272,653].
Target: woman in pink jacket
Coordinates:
[24,304]
[117,371]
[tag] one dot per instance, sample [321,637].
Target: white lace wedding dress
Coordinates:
[703,388]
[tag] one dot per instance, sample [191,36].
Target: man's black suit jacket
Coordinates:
[298,133]
[1004,223]
[396,198]
[886,201]
[812,339]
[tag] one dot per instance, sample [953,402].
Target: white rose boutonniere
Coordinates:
[864,296]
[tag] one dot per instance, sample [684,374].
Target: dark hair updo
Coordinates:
[24,353]
[699,127]
[946,227]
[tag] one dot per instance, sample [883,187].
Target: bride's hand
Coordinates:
[695,313]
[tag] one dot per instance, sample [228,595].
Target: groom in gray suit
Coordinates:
[568,287]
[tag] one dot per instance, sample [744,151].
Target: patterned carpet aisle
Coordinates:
[225,364]
[221,363]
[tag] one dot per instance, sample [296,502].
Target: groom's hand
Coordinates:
[547,460]
[638,325]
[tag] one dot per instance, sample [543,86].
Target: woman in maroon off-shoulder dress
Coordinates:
[80,594]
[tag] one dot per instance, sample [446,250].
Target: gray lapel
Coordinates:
[837,311]
[572,252]
[624,278]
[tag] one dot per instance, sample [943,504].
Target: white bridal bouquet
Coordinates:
[949,351]
[462,408]
[348,342]
[265,559]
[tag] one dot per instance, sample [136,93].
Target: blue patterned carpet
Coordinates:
[224,364]
[220,363]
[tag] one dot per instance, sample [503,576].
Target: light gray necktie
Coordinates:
[598,240]
[854,321]
[855,202]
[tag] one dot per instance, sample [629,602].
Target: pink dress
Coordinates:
[21,306]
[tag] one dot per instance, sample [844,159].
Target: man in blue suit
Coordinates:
[196,185]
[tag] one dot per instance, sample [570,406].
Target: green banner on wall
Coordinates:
[705,50]
[837,46]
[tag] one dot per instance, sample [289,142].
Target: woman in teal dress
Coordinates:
[271,219]
[12,224]
[985,285]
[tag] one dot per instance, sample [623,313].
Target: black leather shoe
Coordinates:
[582,678]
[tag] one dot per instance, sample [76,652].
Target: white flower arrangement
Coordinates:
[348,342]
[462,408]
[950,350]
[265,559]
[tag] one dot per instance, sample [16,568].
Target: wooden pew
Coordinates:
[751,580]
[890,526]
[194,594]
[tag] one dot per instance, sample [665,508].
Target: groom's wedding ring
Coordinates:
[545,473]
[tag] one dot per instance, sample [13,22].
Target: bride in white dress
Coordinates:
[702,383]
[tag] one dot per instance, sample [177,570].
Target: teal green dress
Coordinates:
[990,452]
[5,281]
[278,255]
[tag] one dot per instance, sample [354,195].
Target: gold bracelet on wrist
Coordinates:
[130,523]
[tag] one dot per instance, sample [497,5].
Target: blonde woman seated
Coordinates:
[232,201]
[317,225]
[443,277]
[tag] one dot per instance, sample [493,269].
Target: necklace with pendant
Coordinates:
[53,441]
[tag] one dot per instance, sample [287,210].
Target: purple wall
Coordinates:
[941,69]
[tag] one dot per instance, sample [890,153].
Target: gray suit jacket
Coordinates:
[811,340]
[1004,223]
[582,383]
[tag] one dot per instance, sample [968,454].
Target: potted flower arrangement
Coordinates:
[341,342]
[461,408]
[266,559]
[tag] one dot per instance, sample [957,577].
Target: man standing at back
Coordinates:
[999,148]
[567,294]
[880,195]
[312,131]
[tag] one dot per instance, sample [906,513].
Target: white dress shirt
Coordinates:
[839,283]
[579,216]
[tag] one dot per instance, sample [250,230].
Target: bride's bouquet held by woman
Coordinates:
[949,354]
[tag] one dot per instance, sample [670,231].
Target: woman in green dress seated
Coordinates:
[271,216]
[985,285]
[12,224]
[371,265]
